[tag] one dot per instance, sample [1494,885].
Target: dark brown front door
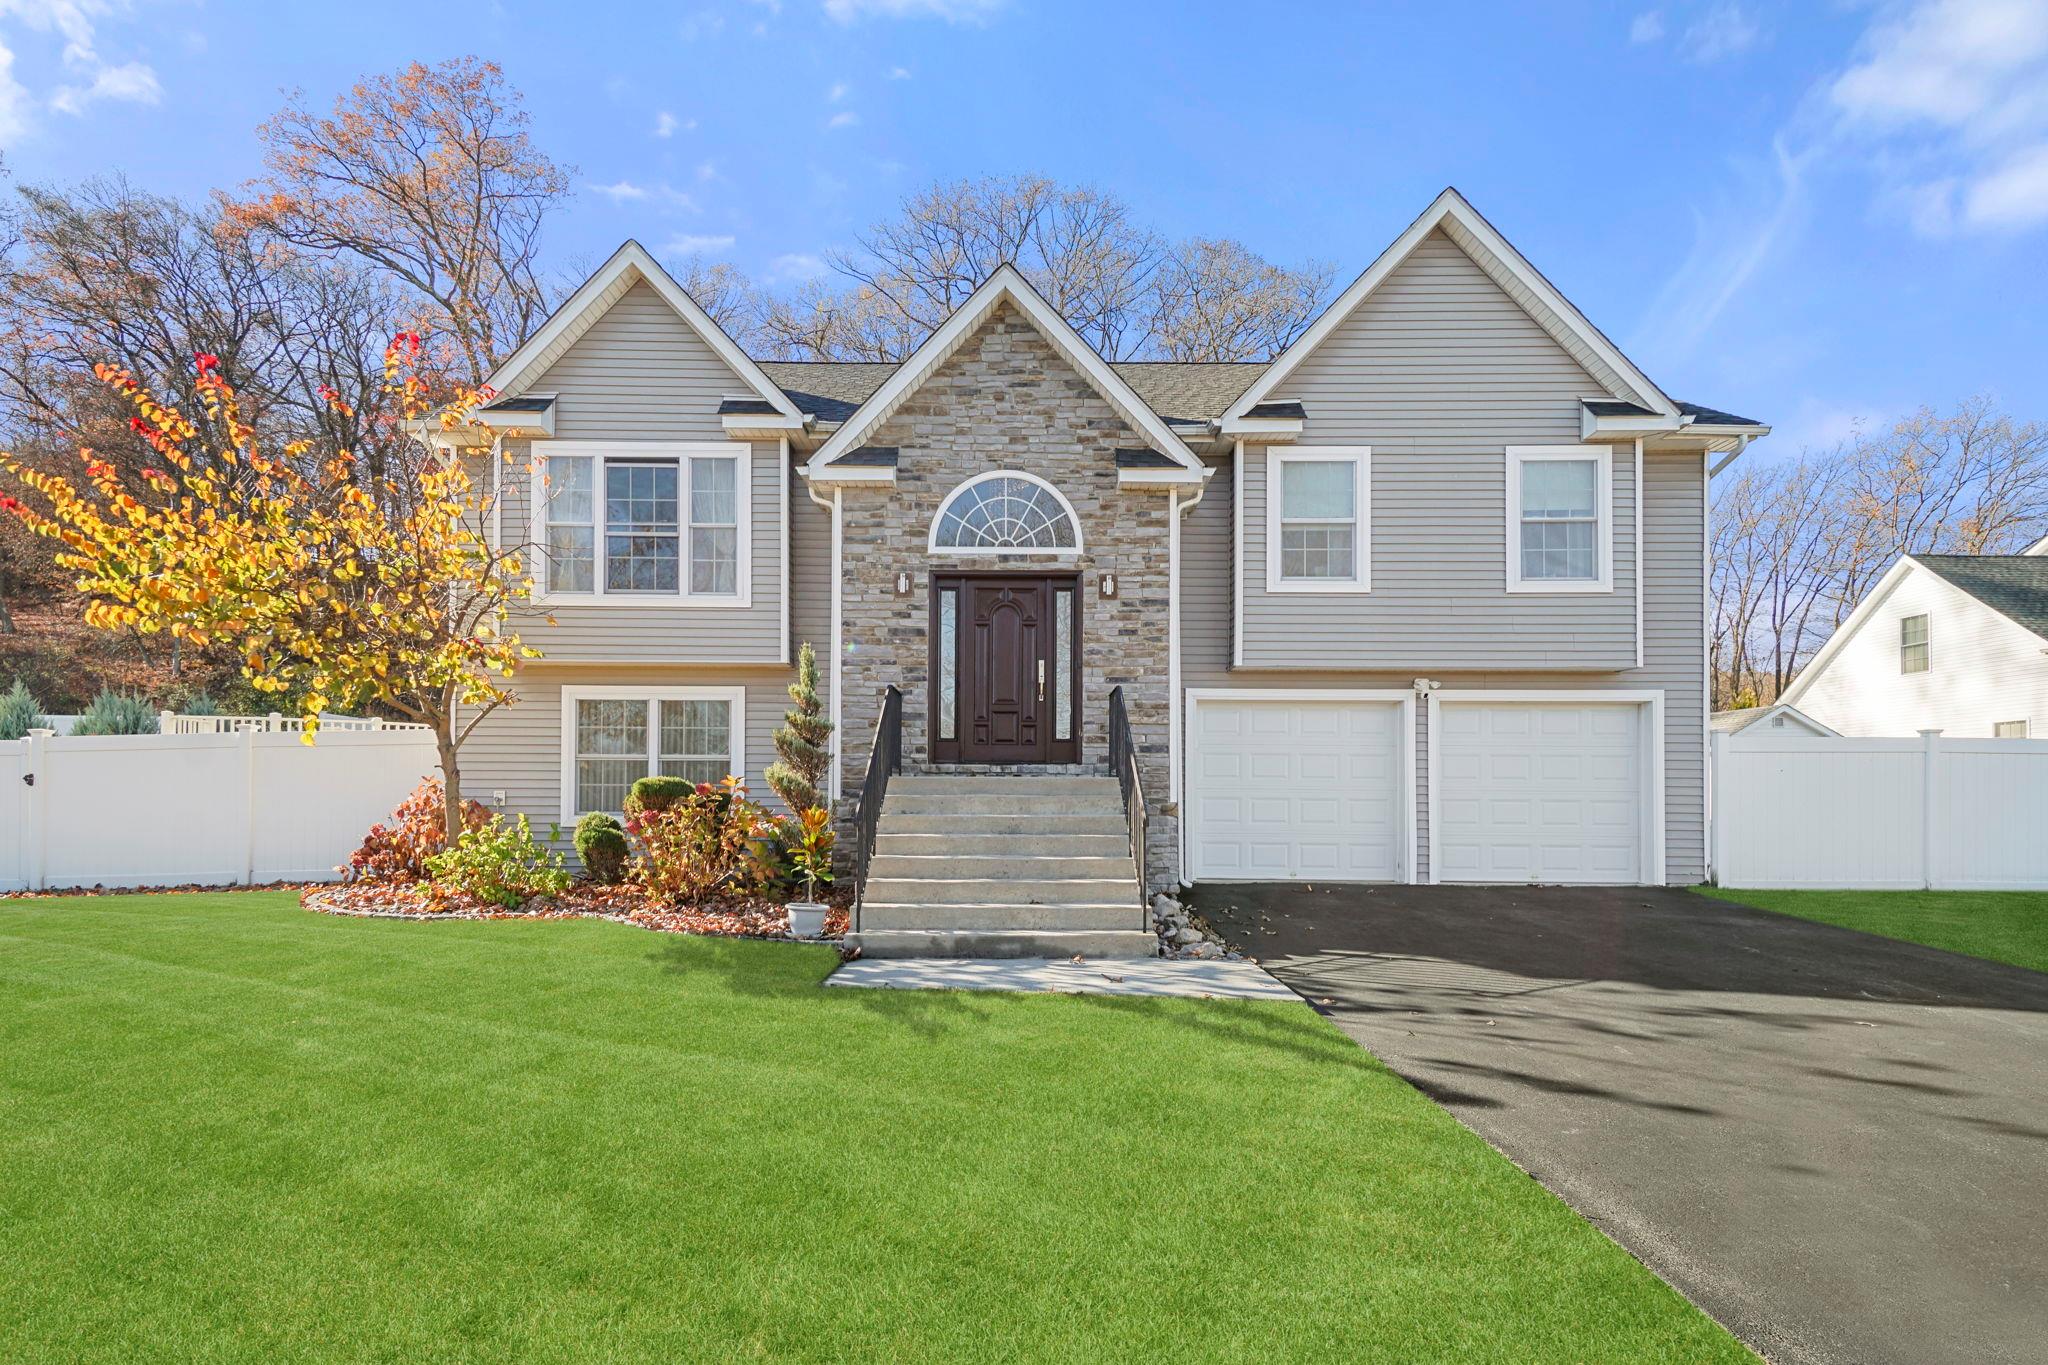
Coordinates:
[1004,648]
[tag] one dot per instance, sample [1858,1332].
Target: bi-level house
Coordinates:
[1420,600]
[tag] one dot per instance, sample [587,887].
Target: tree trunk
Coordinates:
[451,780]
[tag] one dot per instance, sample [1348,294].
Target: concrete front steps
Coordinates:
[1002,865]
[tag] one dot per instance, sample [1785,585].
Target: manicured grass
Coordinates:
[231,1130]
[2005,926]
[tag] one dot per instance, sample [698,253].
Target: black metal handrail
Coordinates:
[1123,759]
[885,756]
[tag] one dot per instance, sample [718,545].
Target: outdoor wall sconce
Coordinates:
[903,585]
[1107,584]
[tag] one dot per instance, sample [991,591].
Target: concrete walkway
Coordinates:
[1129,976]
[1837,1144]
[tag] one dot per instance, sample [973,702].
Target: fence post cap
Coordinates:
[1930,734]
[40,732]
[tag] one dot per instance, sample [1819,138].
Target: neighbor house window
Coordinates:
[1913,649]
[1560,528]
[613,737]
[1319,519]
[643,519]
[2009,729]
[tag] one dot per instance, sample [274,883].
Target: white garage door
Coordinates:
[1539,792]
[1283,790]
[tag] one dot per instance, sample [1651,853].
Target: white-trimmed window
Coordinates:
[614,736]
[2009,729]
[1560,519]
[1319,519]
[1915,644]
[638,519]
[1005,512]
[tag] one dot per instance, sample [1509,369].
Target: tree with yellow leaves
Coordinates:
[395,595]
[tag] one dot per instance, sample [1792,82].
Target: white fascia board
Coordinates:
[848,474]
[1007,283]
[1592,428]
[1815,666]
[588,303]
[1159,478]
[1266,427]
[1450,206]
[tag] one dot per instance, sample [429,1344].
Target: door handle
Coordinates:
[1041,680]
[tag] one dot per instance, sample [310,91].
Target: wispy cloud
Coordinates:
[795,267]
[838,92]
[1725,30]
[899,73]
[696,244]
[1950,98]
[705,23]
[845,118]
[620,191]
[92,78]
[951,11]
[665,124]
[1647,28]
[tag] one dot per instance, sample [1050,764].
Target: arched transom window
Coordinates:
[1006,513]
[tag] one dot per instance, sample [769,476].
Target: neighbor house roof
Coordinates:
[2015,586]
[1736,721]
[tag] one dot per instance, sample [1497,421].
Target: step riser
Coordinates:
[1025,943]
[997,917]
[1033,826]
[946,867]
[996,784]
[1005,845]
[1000,891]
[943,803]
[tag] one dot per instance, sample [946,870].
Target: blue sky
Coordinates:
[1810,214]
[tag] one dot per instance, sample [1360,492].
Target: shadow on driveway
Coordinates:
[1833,1142]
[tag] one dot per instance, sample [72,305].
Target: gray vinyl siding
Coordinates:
[641,373]
[810,572]
[1439,372]
[518,748]
[1674,642]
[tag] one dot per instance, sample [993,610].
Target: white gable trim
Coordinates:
[1508,268]
[628,265]
[1006,284]
[1865,609]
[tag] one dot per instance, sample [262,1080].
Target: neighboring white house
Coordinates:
[1956,643]
[1777,720]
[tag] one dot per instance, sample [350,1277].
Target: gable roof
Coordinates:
[1184,392]
[2014,586]
[628,266]
[1736,721]
[1508,268]
[1006,285]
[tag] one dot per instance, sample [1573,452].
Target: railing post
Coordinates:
[166,722]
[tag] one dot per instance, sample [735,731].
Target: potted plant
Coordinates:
[809,844]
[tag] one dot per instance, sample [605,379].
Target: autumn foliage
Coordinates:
[329,585]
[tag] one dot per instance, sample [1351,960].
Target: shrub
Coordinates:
[397,850]
[601,844]
[20,712]
[766,867]
[692,846]
[116,713]
[657,793]
[500,863]
[809,839]
[199,704]
[802,740]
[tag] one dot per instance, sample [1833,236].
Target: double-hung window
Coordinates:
[1560,522]
[636,520]
[1915,649]
[1319,519]
[614,736]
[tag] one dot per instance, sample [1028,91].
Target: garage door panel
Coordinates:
[1290,790]
[1539,792]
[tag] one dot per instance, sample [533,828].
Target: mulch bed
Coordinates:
[737,918]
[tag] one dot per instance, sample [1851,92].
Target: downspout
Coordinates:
[832,505]
[1741,444]
[1174,740]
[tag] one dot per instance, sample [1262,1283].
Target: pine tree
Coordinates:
[801,741]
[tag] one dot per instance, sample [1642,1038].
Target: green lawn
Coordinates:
[231,1130]
[2005,926]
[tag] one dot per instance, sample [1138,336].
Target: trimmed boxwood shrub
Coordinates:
[601,844]
[658,793]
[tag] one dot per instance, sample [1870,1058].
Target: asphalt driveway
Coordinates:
[1834,1143]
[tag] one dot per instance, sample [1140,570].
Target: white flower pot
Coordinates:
[806,919]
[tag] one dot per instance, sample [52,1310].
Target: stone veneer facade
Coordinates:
[1007,400]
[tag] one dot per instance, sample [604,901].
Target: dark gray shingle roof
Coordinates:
[1177,392]
[751,407]
[2015,586]
[1714,417]
[521,404]
[1128,458]
[879,457]
[1294,410]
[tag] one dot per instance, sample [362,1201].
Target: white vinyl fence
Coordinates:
[161,810]
[1947,814]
